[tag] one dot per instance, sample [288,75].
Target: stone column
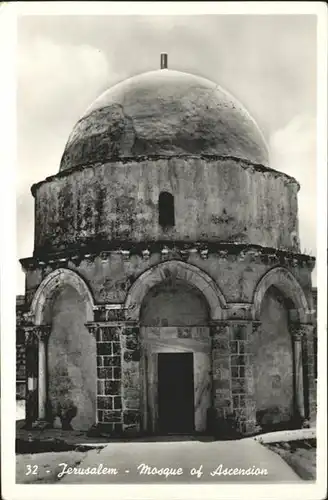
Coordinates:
[298,372]
[305,389]
[36,373]
[31,346]
[42,332]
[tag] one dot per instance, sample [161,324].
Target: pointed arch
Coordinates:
[181,271]
[54,281]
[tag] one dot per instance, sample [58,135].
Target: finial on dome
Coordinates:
[163,61]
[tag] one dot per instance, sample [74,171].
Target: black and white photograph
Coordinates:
[167,321]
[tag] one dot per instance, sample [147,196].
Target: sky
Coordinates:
[268,62]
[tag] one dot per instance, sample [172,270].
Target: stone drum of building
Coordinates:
[167,293]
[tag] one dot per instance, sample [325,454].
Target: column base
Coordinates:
[299,421]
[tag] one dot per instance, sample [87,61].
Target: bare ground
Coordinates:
[300,455]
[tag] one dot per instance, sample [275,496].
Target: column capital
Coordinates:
[35,333]
[42,332]
[30,338]
[300,331]
[29,318]
[255,326]
[93,328]
[219,327]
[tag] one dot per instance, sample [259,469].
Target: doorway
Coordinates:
[175,393]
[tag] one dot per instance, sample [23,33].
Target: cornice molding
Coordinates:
[165,249]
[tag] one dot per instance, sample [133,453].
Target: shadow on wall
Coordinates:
[222,429]
[270,420]
[63,406]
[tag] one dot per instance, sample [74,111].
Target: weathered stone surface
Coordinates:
[105,403]
[132,403]
[133,216]
[174,303]
[237,279]
[238,385]
[273,363]
[186,114]
[112,361]
[222,384]
[131,343]
[117,402]
[116,373]
[110,333]
[220,373]
[112,416]
[105,373]
[222,346]
[131,417]
[233,347]
[112,387]
[222,361]
[239,332]
[71,362]
[238,360]
[20,361]
[100,387]
[116,348]
[104,348]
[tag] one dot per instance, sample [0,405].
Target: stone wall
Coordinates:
[131,380]
[20,371]
[233,378]
[109,202]
[109,375]
[118,382]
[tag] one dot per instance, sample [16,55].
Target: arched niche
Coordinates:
[273,367]
[64,301]
[288,285]
[52,284]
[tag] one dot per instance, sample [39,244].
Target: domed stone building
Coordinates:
[167,292]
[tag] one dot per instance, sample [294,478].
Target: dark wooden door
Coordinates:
[175,393]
